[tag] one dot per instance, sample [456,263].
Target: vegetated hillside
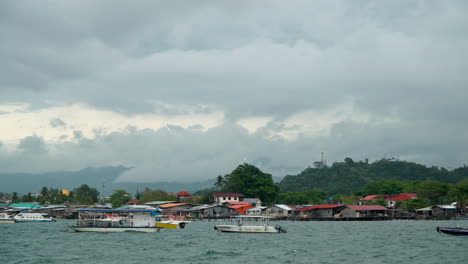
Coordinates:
[348,176]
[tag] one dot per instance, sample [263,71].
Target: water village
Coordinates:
[245,195]
[229,205]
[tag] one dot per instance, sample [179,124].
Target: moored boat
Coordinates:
[33,217]
[456,231]
[116,220]
[7,219]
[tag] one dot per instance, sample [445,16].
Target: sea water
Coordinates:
[306,242]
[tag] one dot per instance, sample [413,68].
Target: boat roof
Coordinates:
[116,210]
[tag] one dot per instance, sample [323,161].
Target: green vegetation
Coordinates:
[350,177]
[250,181]
[343,181]
[156,195]
[119,198]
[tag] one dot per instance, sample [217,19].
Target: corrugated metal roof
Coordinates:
[235,203]
[228,195]
[284,207]
[159,202]
[367,207]
[321,206]
[237,206]
[117,210]
[171,205]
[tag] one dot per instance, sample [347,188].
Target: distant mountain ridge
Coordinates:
[94,177]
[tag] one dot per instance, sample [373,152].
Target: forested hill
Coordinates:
[348,176]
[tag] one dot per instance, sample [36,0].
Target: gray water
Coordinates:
[305,242]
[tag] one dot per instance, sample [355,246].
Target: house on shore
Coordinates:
[221,198]
[183,196]
[210,211]
[241,208]
[319,211]
[175,208]
[253,201]
[279,210]
[392,200]
[362,211]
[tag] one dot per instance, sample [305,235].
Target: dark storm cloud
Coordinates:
[401,60]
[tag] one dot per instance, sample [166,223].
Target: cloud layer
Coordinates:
[187,91]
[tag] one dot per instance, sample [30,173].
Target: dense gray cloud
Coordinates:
[405,61]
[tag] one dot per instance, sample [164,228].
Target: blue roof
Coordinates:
[116,210]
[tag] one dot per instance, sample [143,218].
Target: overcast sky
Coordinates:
[188,90]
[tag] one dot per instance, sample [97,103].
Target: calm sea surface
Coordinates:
[305,242]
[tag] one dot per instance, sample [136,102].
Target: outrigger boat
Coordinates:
[116,220]
[456,231]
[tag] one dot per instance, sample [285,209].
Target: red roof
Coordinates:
[183,193]
[321,206]
[398,197]
[371,198]
[410,195]
[367,207]
[134,201]
[228,195]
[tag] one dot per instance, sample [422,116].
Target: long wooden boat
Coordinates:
[456,231]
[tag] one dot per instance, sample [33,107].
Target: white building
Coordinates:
[221,198]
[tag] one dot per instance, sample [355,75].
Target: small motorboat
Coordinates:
[456,231]
[7,219]
[243,228]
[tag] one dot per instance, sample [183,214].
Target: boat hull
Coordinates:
[7,221]
[455,231]
[171,224]
[115,229]
[28,221]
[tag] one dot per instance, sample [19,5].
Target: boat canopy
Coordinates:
[117,210]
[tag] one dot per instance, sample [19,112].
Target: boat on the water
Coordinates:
[7,219]
[171,222]
[243,228]
[33,217]
[116,220]
[456,231]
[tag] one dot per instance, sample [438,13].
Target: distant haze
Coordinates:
[185,91]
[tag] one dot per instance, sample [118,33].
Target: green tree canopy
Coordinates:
[119,197]
[156,195]
[250,181]
[433,191]
[85,195]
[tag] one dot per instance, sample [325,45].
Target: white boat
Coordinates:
[116,220]
[7,219]
[33,217]
[243,228]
